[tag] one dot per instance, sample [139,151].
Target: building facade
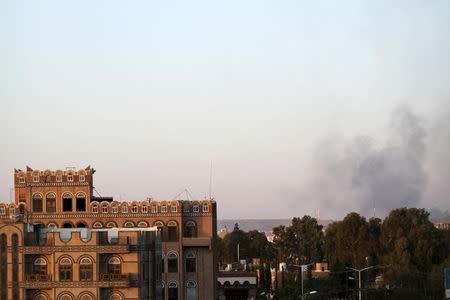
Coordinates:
[64,201]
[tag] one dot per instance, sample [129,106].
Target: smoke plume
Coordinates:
[363,174]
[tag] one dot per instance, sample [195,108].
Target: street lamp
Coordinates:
[359,276]
[302,269]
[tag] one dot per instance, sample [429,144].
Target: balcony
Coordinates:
[38,277]
[118,280]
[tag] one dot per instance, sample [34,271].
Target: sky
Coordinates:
[275,95]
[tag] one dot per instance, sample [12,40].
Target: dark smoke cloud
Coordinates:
[362,174]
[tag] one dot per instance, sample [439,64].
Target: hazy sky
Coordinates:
[150,92]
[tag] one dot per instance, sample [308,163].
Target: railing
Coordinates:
[120,241]
[38,277]
[113,277]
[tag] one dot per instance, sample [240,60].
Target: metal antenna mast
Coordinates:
[210,181]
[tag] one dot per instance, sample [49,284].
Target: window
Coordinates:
[173,291]
[70,178]
[2,210]
[115,210]
[186,208]
[172,262]
[67,202]
[37,203]
[104,209]
[128,224]
[48,179]
[190,230]
[58,178]
[81,178]
[205,208]
[97,225]
[65,269]
[154,209]
[144,209]
[111,225]
[50,202]
[172,231]
[124,209]
[163,209]
[95,208]
[52,225]
[191,290]
[174,208]
[35,178]
[12,210]
[195,209]
[142,224]
[39,267]
[81,202]
[134,209]
[86,269]
[190,262]
[21,179]
[114,266]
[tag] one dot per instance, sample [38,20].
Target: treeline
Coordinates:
[409,252]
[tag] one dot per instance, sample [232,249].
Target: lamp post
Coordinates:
[359,276]
[303,268]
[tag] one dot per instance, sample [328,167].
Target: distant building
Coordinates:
[52,201]
[443,224]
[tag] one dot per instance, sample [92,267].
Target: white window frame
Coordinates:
[195,208]
[164,209]
[144,209]
[21,179]
[81,178]
[154,209]
[2,211]
[174,208]
[104,209]
[134,209]
[58,178]
[95,209]
[115,210]
[205,208]
[69,178]
[36,178]
[124,209]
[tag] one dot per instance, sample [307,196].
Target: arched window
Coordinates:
[128,224]
[114,265]
[105,208]
[190,229]
[172,231]
[39,267]
[111,225]
[50,202]
[115,296]
[65,296]
[97,225]
[195,208]
[37,203]
[67,225]
[81,202]
[67,202]
[205,208]
[124,209]
[40,296]
[134,209]
[142,224]
[190,262]
[94,208]
[65,269]
[52,225]
[172,262]
[86,269]
[81,225]
[191,290]
[85,296]
[172,290]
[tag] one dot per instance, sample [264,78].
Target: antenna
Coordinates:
[210,180]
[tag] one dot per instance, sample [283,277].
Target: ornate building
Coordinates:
[72,230]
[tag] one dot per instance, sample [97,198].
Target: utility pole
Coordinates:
[359,276]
